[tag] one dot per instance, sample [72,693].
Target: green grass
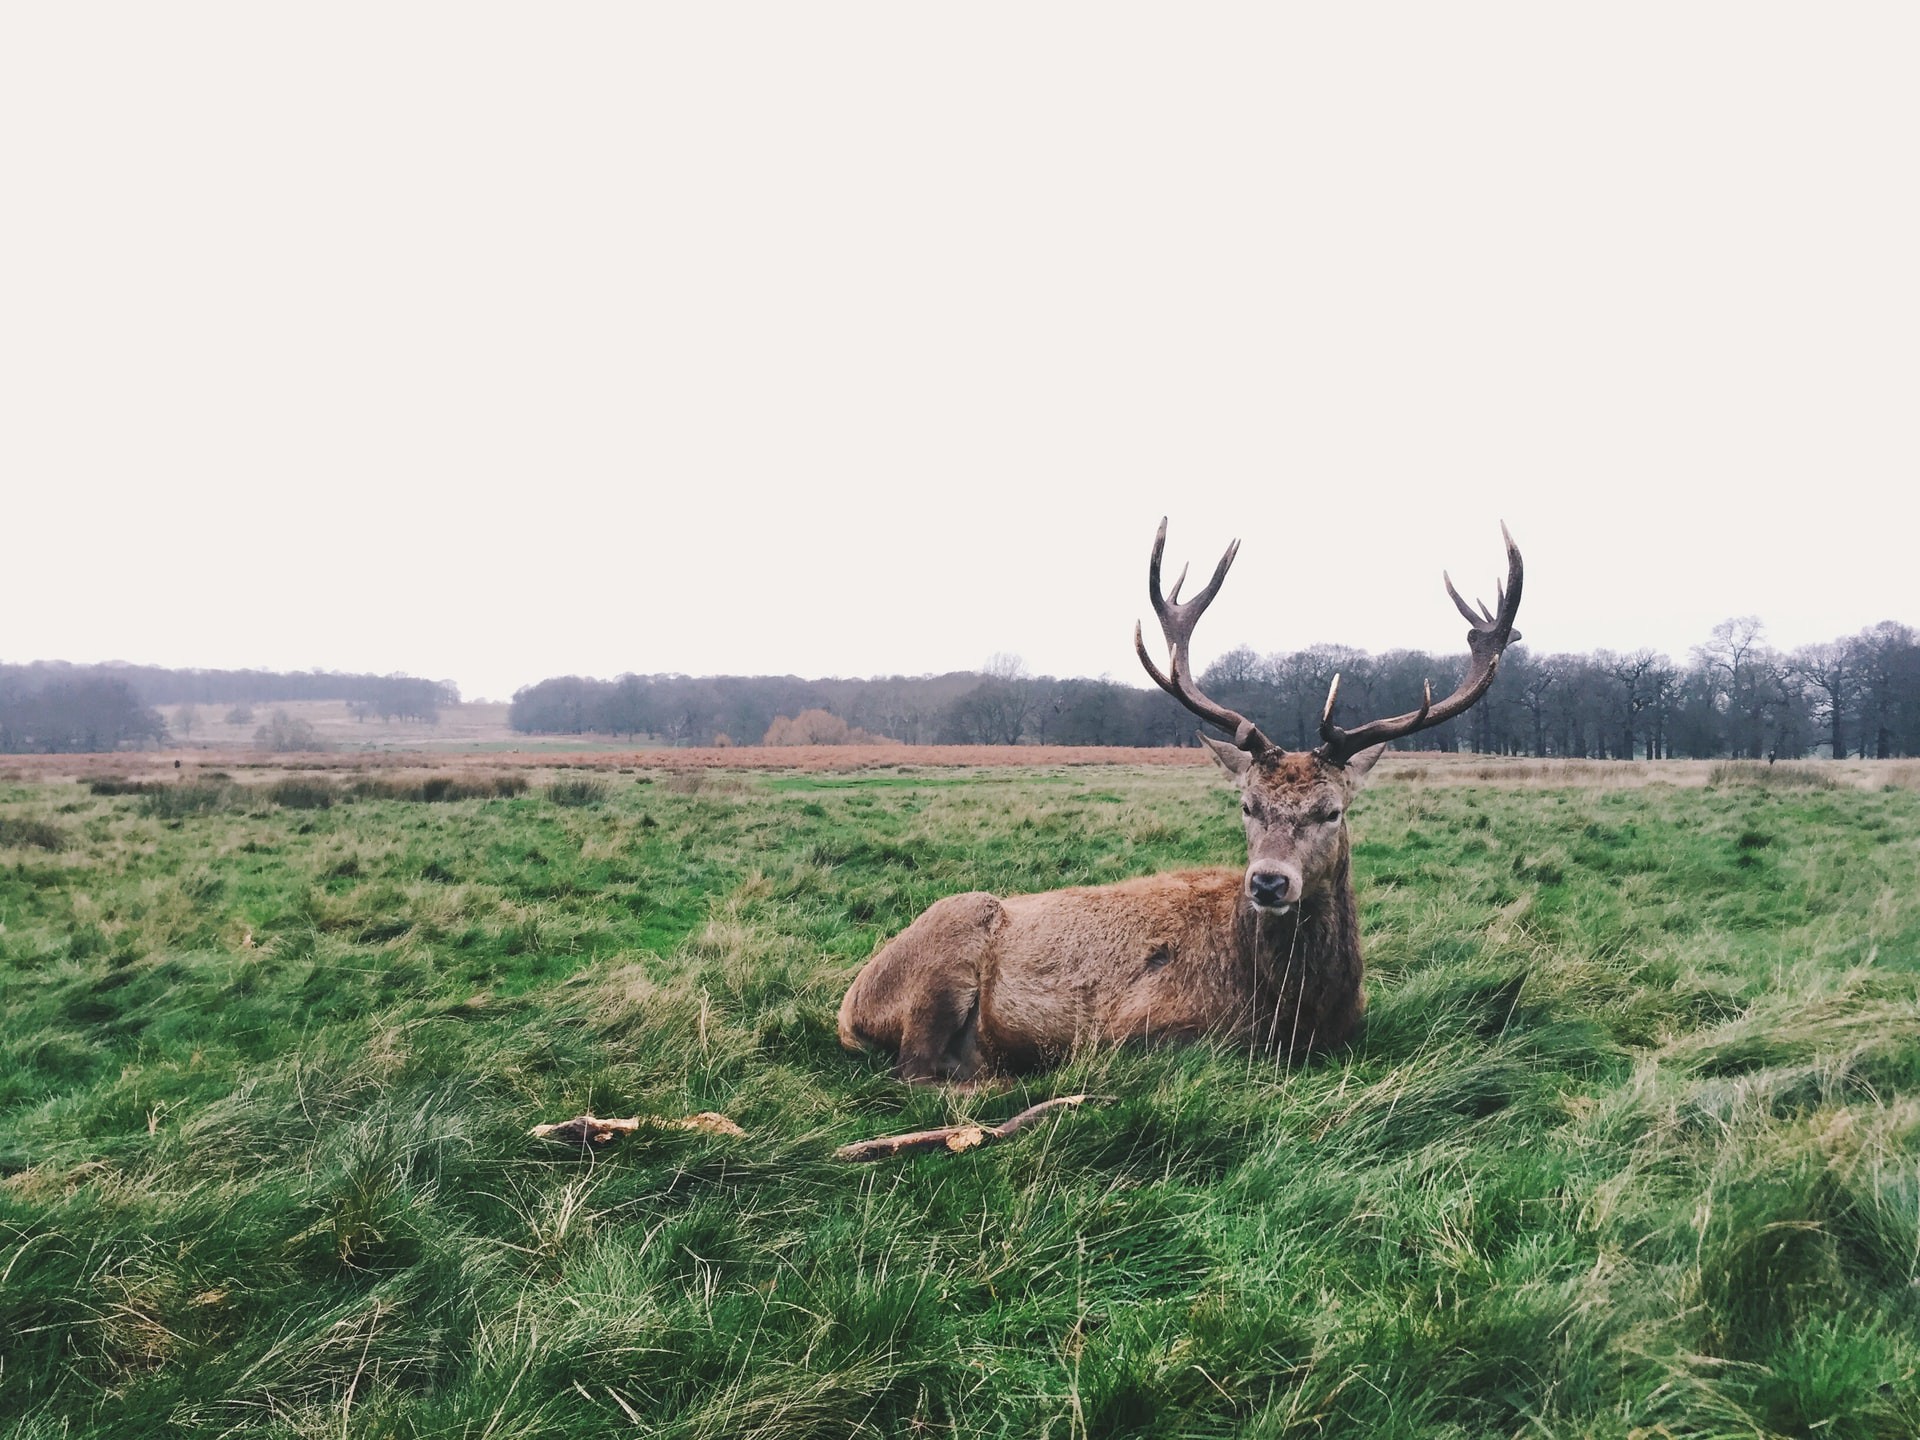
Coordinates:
[1631,1147]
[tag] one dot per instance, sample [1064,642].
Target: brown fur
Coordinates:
[981,984]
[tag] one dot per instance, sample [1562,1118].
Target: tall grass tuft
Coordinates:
[24,831]
[193,797]
[121,785]
[303,792]
[439,789]
[1788,775]
[577,791]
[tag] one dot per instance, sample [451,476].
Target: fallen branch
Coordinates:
[588,1131]
[956,1139]
[584,1130]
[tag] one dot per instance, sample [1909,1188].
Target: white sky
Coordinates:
[492,342]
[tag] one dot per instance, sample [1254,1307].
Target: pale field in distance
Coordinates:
[461,727]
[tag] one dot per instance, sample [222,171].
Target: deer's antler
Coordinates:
[1489,634]
[1177,620]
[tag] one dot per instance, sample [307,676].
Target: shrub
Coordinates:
[285,733]
[240,715]
[814,727]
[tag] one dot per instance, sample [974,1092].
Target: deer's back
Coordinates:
[1134,960]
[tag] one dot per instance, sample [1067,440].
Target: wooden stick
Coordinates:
[957,1139]
[590,1131]
[584,1130]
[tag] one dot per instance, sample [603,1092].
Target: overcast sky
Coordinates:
[490,342]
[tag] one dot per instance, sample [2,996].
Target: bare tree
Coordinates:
[1663,682]
[1888,660]
[1831,673]
[1636,675]
[1735,659]
[1534,682]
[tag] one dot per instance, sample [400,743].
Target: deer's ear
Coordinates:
[1361,763]
[1235,761]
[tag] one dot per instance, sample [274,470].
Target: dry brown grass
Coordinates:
[1900,774]
[169,765]
[1520,770]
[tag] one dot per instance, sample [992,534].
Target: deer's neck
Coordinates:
[1306,967]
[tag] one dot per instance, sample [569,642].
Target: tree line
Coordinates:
[55,707]
[1735,695]
[74,715]
[962,707]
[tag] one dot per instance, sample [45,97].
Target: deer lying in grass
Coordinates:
[1268,957]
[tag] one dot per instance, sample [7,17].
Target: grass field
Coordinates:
[1631,1146]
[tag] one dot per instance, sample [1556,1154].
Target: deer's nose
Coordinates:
[1271,887]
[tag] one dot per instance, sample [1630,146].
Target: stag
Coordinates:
[1267,957]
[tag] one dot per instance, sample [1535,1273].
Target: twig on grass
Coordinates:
[590,1131]
[584,1130]
[956,1139]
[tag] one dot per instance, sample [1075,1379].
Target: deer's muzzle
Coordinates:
[1273,887]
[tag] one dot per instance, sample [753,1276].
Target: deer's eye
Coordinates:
[1246,807]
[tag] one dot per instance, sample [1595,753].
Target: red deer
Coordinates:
[1268,957]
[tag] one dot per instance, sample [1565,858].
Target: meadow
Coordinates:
[1630,1148]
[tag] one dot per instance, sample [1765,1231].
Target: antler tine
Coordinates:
[1474,617]
[1177,620]
[1487,638]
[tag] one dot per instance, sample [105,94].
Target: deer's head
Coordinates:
[1294,802]
[1294,807]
